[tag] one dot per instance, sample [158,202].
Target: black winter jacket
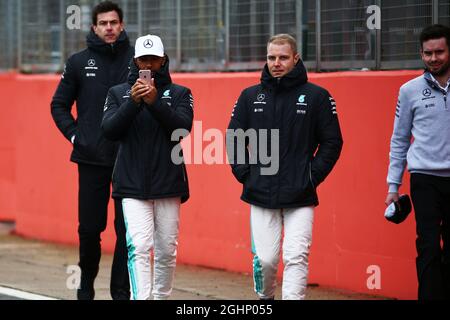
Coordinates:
[87,77]
[310,139]
[144,168]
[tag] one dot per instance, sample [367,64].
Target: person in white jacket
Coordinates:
[423,113]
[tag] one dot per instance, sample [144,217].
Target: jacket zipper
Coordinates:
[184,172]
[310,175]
[279,144]
[147,182]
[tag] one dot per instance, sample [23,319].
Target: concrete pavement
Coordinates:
[42,268]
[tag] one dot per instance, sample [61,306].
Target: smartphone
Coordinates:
[145,75]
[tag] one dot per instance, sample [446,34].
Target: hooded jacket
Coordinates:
[304,118]
[87,77]
[149,163]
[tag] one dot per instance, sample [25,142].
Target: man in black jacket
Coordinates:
[87,77]
[294,124]
[148,117]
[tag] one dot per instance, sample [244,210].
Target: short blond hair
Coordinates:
[283,38]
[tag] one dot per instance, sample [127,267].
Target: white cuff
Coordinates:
[393,188]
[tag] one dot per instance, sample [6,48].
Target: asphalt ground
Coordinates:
[36,270]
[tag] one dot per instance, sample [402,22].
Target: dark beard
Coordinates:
[441,72]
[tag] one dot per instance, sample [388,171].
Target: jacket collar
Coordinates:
[434,83]
[96,44]
[162,77]
[295,77]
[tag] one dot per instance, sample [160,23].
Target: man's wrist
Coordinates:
[393,188]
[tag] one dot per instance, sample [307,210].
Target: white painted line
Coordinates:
[23,295]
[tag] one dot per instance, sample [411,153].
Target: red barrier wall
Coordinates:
[38,184]
[8,122]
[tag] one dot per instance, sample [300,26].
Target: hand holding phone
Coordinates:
[146,76]
[143,86]
[148,95]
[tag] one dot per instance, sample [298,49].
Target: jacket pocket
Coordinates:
[296,184]
[257,186]
[81,143]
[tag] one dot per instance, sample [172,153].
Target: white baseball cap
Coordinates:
[149,45]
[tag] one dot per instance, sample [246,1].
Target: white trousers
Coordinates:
[266,230]
[151,224]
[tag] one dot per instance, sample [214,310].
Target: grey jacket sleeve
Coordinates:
[400,141]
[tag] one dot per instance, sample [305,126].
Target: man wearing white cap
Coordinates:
[143,115]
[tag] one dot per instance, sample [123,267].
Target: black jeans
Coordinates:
[93,198]
[431,199]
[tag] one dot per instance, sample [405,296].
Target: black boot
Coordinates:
[86,290]
[85,294]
